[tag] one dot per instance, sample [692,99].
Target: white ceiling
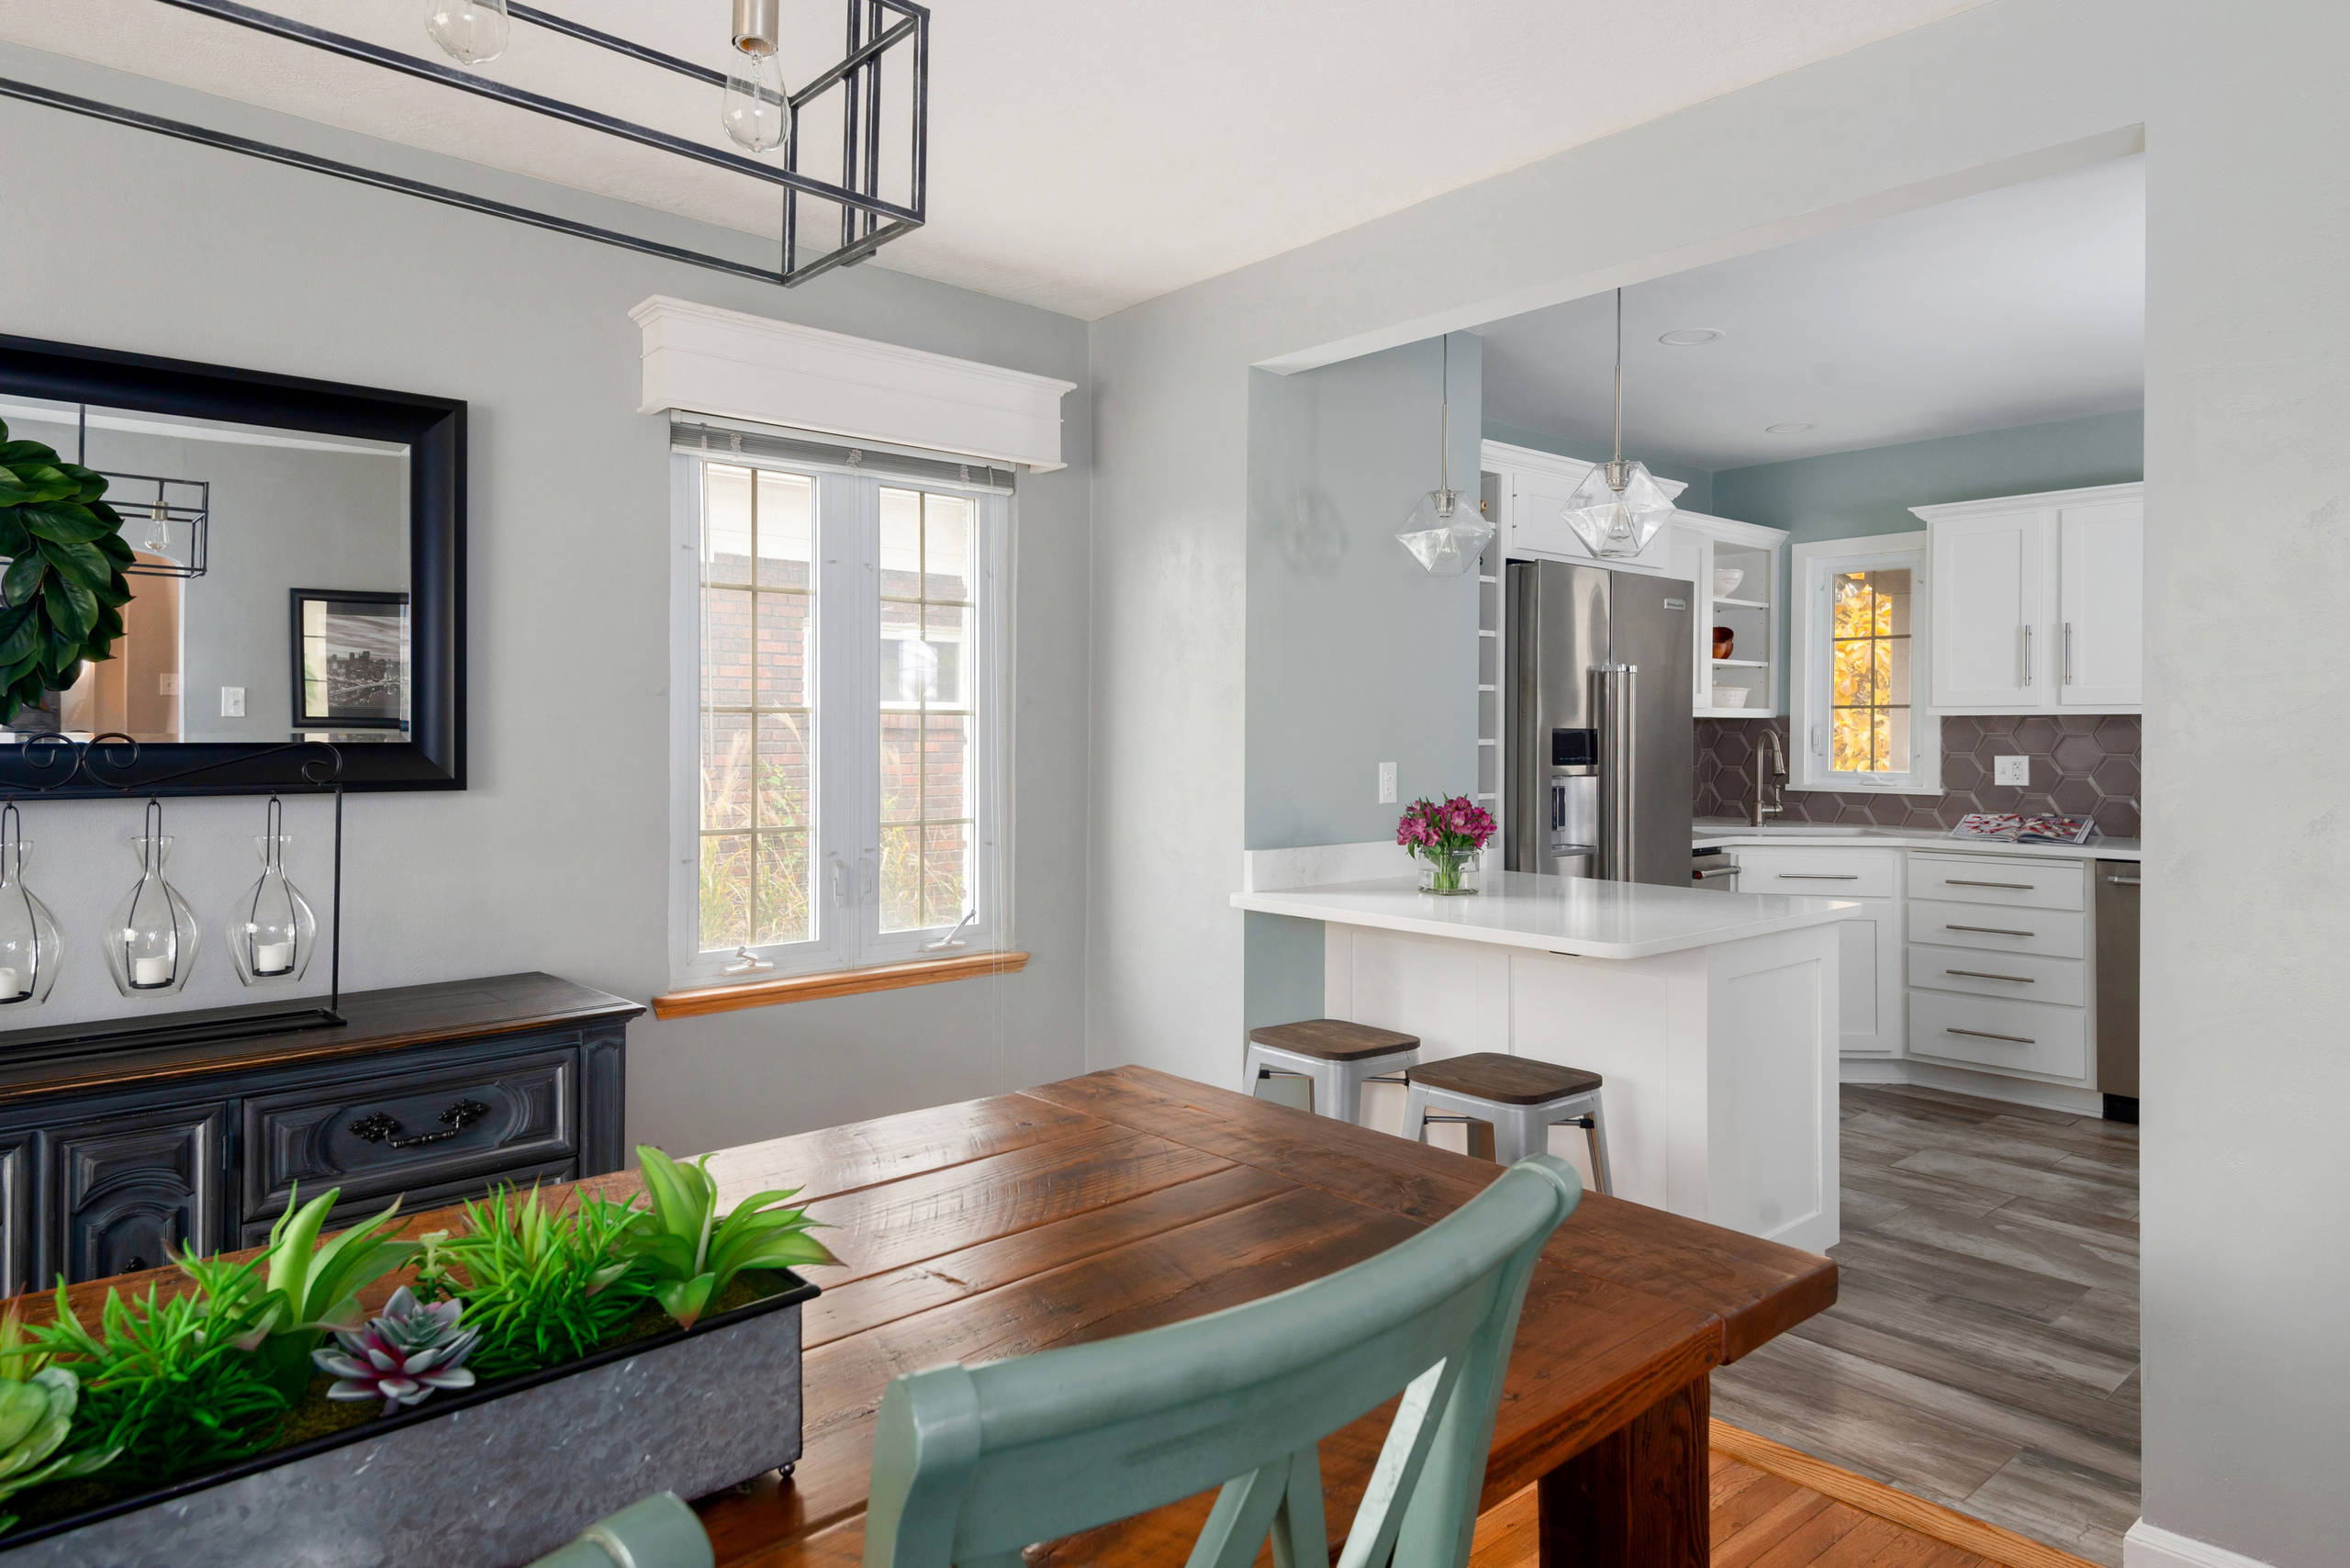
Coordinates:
[2012,308]
[1085,154]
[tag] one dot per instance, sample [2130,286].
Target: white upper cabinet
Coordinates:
[2039,602]
[2101,604]
[1534,489]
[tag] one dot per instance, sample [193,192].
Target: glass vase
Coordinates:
[1450,873]
[151,941]
[30,948]
[272,930]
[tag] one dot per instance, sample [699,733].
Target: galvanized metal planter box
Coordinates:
[490,1477]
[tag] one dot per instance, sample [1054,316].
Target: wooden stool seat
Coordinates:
[1504,1080]
[1333,1039]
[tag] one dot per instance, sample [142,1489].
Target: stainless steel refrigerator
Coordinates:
[1598,734]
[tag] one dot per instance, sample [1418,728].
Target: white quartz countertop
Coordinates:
[1575,915]
[1711,832]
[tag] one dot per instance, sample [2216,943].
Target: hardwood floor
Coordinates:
[1983,1351]
[1774,1507]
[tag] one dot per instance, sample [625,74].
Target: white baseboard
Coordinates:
[1982,1085]
[2150,1546]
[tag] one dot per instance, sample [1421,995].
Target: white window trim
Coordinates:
[1810,700]
[846,782]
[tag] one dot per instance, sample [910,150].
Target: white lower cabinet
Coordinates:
[1999,965]
[1869,943]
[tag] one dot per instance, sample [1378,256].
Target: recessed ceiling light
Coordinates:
[1689,337]
[1792,429]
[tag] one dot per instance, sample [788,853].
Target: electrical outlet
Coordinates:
[1386,783]
[2011,770]
[232,701]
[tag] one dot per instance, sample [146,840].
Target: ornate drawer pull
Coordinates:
[380,1128]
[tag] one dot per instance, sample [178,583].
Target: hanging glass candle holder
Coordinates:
[272,930]
[29,948]
[151,943]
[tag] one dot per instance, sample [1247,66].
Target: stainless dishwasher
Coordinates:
[1715,868]
[2116,988]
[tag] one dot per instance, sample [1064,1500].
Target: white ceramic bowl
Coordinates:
[1726,581]
[1729,695]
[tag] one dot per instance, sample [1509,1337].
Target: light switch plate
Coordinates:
[168,684]
[232,701]
[1386,783]
[2011,770]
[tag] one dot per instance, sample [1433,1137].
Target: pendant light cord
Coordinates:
[1620,379]
[1444,420]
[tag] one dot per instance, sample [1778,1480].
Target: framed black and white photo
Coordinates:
[350,660]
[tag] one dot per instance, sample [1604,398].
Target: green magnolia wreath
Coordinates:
[62,596]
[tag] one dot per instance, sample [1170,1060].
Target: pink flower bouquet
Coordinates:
[1447,835]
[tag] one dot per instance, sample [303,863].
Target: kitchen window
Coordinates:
[841,664]
[1858,715]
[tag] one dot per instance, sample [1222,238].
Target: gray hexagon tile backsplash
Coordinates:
[2082,764]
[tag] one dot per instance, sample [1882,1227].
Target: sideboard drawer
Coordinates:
[409,1131]
[414,1200]
[2052,933]
[2007,1037]
[2003,880]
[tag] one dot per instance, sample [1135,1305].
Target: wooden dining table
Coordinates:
[1126,1199]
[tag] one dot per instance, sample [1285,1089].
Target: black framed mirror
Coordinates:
[241,492]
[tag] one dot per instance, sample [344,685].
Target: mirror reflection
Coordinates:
[270,596]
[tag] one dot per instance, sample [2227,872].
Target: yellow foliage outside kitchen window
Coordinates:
[1870,664]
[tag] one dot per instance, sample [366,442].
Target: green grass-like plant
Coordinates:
[172,1384]
[690,1255]
[543,1284]
[311,1286]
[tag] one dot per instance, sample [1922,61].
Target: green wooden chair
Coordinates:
[659,1532]
[970,1464]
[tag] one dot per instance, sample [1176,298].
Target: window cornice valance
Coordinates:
[700,359]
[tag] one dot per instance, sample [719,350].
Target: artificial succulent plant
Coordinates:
[691,1254]
[62,596]
[403,1354]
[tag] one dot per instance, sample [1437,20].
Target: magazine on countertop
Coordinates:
[2032,827]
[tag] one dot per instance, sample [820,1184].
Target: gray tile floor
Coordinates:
[1983,1351]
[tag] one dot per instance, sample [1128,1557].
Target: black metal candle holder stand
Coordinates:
[50,762]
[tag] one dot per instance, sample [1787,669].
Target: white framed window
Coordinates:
[1859,713]
[840,656]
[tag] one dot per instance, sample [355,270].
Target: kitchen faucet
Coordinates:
[1770,762]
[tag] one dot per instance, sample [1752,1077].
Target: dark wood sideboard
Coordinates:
[432,1093]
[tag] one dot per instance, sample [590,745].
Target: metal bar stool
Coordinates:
[1521,1099]
[1336,1057]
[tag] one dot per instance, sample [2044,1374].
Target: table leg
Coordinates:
[1637,1498]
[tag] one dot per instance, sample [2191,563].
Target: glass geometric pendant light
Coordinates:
[1445,531]
[1618,508]
[473,32]
[29,950]
[151,942]
[271,929]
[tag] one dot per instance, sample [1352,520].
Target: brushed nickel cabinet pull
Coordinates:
[1979,974]
[1991,929]
[1987,1035]
[2008,887]
[2123,881]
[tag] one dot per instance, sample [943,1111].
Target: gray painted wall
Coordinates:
[1849,495]
[1356,656]
[555,856]
[2247,1383]
[283,518]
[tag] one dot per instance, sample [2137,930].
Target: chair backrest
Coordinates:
[970,1464]
[658,1532]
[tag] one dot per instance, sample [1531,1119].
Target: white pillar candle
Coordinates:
[150,971]
[272,958]
[12,984]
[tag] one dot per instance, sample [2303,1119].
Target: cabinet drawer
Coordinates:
[2010,880]
[2013,976]
[1827,873]
[2004,1037]
[2051,933]
[416,1200]
[409,1131]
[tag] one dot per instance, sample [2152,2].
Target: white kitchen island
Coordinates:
[1711,1015]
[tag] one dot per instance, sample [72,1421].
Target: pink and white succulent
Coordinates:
[401,1356]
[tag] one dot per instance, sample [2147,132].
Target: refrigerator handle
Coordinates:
[1616,687]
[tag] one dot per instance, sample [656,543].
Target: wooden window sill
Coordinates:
[835,982]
